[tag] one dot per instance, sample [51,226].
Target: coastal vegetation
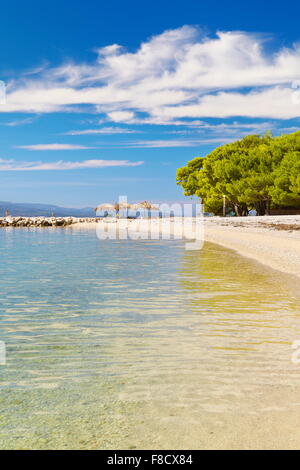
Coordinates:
[257,172]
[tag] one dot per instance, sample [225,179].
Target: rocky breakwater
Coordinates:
[42,221]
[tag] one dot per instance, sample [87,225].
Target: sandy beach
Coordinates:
[273,241]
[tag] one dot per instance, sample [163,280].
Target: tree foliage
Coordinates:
[257,172]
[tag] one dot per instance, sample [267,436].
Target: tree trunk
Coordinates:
[245,210]
[261,207]
[237,210]
[241,210]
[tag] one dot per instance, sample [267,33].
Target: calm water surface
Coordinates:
[142,344]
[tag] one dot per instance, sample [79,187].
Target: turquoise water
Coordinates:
[140,344]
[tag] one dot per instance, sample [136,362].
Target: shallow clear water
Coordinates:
[142,344]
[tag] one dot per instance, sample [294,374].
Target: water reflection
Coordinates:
[142,344]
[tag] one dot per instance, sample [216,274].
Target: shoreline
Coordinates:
[271,240]
[275,249]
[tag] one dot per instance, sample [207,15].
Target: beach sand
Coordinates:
[273,241]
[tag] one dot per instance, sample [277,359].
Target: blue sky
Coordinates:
[109,98]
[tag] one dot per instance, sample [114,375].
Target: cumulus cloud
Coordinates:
[13,165]
[175,75]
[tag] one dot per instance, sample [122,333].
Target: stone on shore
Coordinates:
[42,221]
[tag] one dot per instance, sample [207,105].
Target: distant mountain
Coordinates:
[35,210]
[46,210]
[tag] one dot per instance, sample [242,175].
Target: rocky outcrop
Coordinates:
[42,221]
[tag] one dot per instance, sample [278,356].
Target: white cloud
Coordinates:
[174,143]
[53,147]
[175,75]
[20,122]
[275,102]
[104,130]
[13,165]
[229,129]
[109,50]
[121,116]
